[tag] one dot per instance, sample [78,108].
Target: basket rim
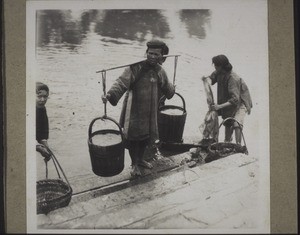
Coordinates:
[229,144]
[224,143]
[53,180]
[61,182]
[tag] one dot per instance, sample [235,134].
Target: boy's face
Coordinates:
[41,98]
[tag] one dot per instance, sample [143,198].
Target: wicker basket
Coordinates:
[52,193]
[223,149]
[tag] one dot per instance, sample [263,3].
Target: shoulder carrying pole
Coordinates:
[126,65]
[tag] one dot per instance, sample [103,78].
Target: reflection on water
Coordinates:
[60,26]
[196,20]
[89,16]
[133,24]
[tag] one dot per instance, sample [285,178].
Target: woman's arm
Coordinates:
[217,107]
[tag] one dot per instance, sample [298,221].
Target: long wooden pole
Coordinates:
[126,65]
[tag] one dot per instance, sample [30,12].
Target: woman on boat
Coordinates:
[143,82]
[233,97]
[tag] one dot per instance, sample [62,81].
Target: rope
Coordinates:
[104,90]
[175,66]
[55,160]
[46,163]
[56,169]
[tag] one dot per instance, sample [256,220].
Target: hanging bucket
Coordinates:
[106,148]
[219,150]
[171,121]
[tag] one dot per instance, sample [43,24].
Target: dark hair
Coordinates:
[157,44]
[223,62]
[41,86]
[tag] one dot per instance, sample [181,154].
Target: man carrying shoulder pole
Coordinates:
[143,82]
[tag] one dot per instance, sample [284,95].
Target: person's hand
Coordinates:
[43,151]
[204,78]
[105,98]
[215,107]
[44,142]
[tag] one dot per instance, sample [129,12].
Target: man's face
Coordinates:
[154,55]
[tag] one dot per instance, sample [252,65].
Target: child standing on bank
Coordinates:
[42,123]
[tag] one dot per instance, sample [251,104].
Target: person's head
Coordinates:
[155,51]
[42,93]
[221,62]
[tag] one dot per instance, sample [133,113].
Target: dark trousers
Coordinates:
[136,149]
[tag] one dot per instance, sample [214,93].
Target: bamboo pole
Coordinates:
[126,65]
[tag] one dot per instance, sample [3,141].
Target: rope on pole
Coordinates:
[175,67]
[104,89]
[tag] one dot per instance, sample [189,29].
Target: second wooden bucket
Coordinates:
[106,148]
[171,121]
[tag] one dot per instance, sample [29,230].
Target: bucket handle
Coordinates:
[230,118]
[103,119]
[163,98]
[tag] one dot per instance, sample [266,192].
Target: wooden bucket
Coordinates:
[107,158]
[171,121]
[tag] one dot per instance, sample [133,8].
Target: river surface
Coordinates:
[72,45]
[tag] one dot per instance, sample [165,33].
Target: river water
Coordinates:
[71,45]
